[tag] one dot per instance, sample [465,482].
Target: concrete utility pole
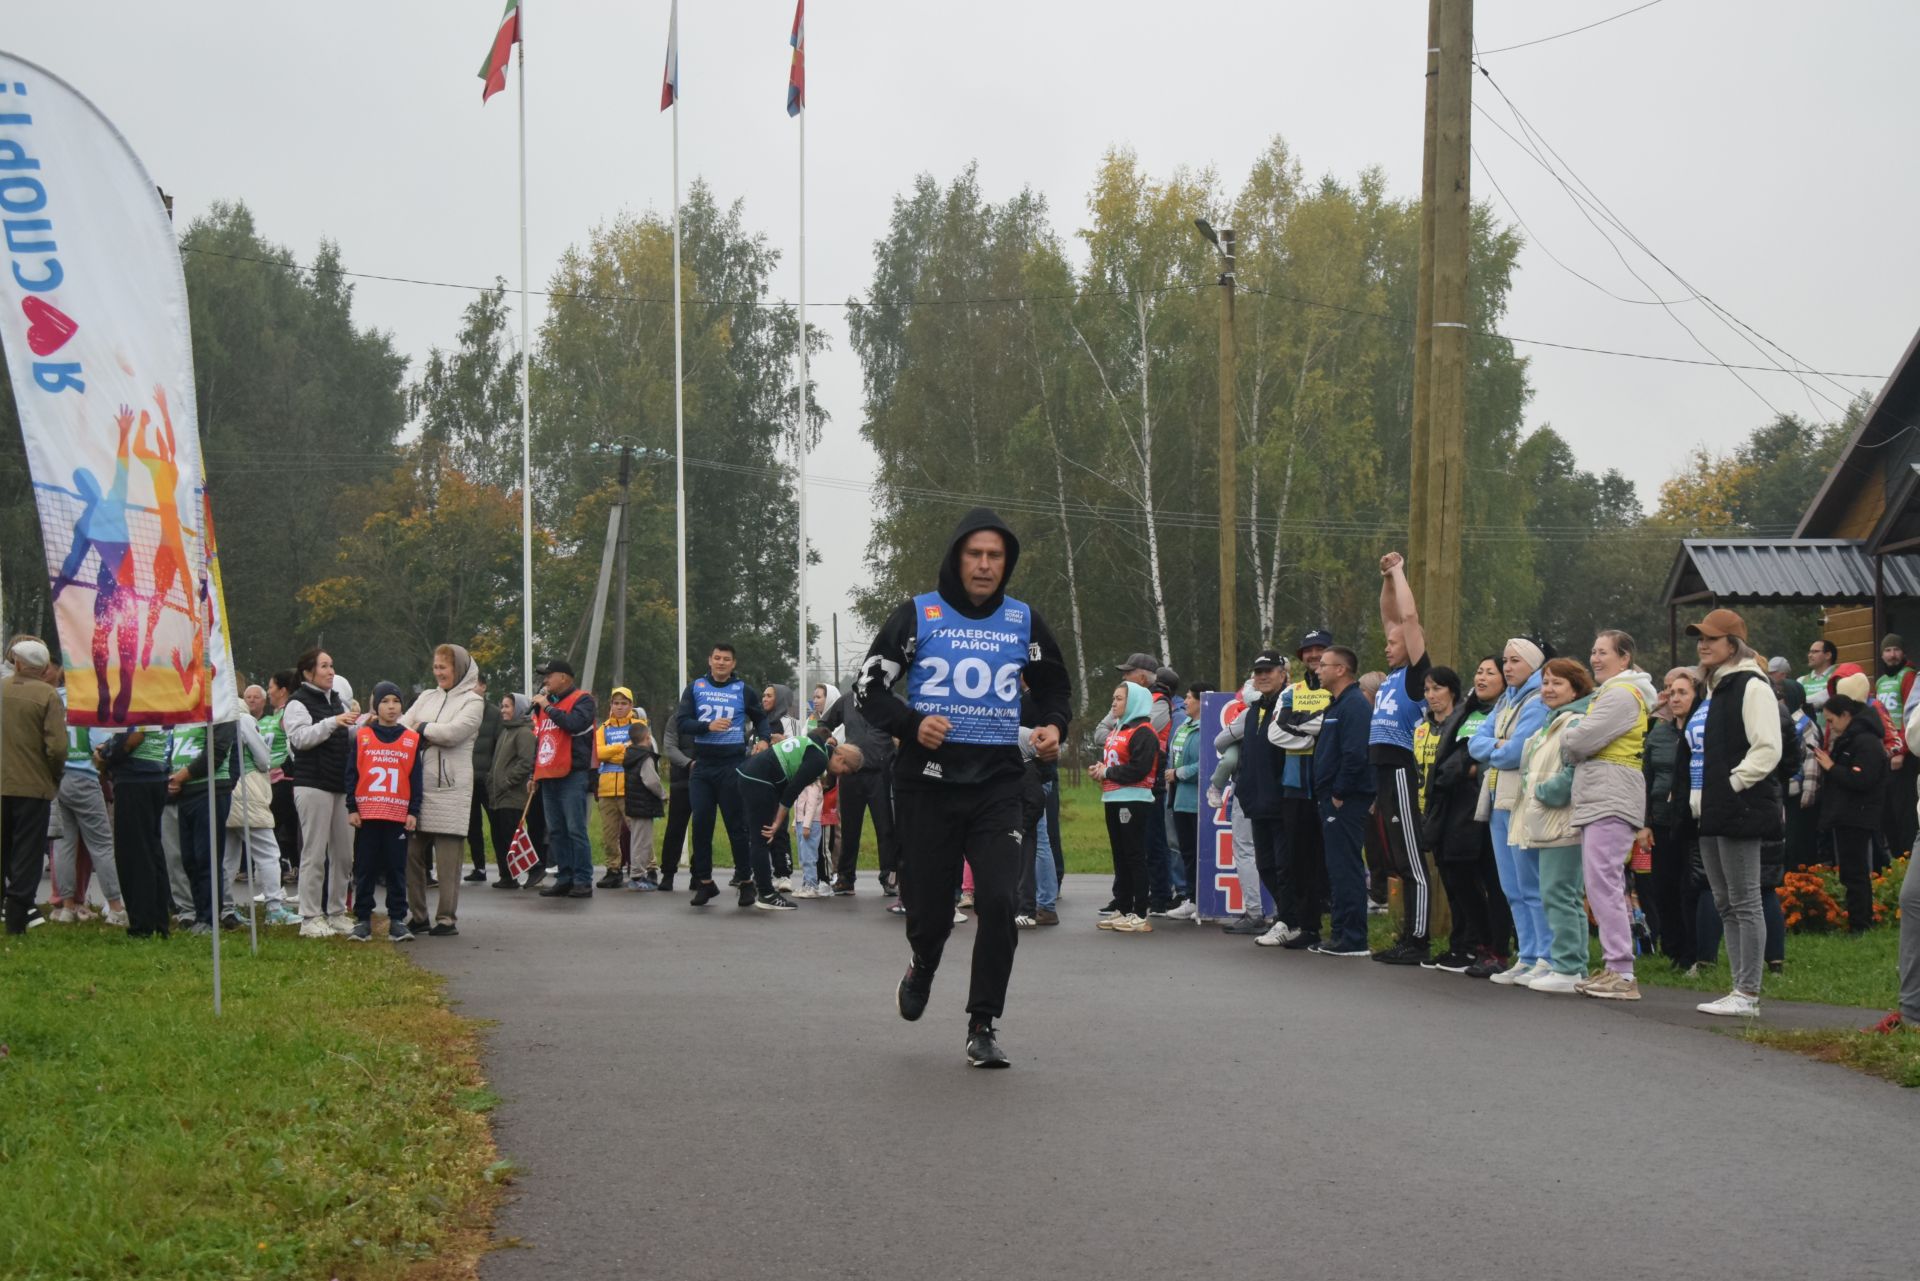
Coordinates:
[1222,240]
[1420,452]
[620,564]
[1447,399]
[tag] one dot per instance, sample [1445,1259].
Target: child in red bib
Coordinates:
[383,804]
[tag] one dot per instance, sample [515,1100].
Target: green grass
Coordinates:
[331,1123]
[1833,969]
[1894,1057]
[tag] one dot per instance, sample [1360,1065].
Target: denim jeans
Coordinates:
[564,802]
[809,853]
[1160,874]
[1046,880]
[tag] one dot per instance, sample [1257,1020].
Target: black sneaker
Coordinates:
[362,932]
[612,880]
[1163,907]
[443,930]
[1302,942]
[506,883]
[1113,908]
[1486,967]
[1246,925]
[232,921]
[666,882]
[983,1050]
[536,876]
[1402,954]
[704,893]
[774,902]
[748,893]
[1450,962]
[580,890]
[559,889]
[910,998]
[738,880]
[477,874]
[843,891]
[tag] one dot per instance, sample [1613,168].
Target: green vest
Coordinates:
[1887,691]
[1815,683]
[189,744]
[79,747]
[791,751]
[153,747]
[276,737]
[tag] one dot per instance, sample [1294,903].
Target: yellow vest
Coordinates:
[1308,700]
[1628,749]
[1426,748]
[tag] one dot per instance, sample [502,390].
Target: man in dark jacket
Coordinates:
[1257,784]
[561,705]
[962,650]
[1852,801]
[1343,786]
[868,790]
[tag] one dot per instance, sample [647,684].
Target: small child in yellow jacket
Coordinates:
[610,739]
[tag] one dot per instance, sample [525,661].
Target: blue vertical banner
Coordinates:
[1218,892]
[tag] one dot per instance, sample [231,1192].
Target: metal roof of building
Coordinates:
[1819,571]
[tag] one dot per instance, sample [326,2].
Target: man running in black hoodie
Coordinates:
[962,650]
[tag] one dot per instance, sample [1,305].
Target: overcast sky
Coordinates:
[1763,150]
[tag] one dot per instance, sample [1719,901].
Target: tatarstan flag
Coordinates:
[494,69]
[797,73]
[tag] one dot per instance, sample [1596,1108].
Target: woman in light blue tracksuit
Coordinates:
[1498,743]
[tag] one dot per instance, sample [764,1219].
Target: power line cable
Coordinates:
[1528,44]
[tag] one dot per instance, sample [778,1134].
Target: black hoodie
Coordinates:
[891,655]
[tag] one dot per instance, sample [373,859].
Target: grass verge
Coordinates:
[331,1124]
[1894,1057]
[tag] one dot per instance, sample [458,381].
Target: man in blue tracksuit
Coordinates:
[713,717]
[1343,787]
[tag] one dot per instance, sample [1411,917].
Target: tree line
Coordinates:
[1070,380]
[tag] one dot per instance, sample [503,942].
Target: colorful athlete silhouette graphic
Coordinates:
[170,557]
[102,528]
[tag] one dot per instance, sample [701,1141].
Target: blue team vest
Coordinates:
[617,734]
[721,702]
[1395,712]
[1697,743]
[968,670]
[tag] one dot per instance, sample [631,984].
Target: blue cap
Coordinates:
[1319,638]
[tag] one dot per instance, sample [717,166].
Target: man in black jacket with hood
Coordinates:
[958,777]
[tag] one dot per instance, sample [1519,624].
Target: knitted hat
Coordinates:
[1856,687]
[1892,641]
[383,689]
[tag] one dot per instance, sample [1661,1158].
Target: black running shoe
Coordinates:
[1302,942]
[910,998]
[775,902]
[580,890]
[1451,962]
[983,1050]
[443,930]
[559,889]
[704,893]
[476,874]
[506,883]
[1113,908]
[1401,954]
[1246,925]
[748,894]
[612,880]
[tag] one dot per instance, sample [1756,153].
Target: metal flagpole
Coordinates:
[679,368]
[207,754]
[526,393]
[800,441]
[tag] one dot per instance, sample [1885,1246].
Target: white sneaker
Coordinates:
[1732,1005]
[1024,922]
[1275,935]
[1555,982]
[112,917]
[784,885]
[823,890]
[1513,975]
[1187,911]
[315,927]
[959,918]
[1132,924]
[340,923]
[63,915]
[1539,971]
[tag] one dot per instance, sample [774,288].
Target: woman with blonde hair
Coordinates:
[1544,823]
[447,718]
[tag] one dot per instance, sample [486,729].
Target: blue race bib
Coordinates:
[968,670]
[619,735]
[721,703]
[1697,742]
[1395,712]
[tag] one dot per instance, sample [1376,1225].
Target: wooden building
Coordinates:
[1856,552]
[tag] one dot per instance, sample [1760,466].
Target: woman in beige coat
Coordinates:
[447,718]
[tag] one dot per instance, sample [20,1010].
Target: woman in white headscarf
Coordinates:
[447,718]
[1497,745]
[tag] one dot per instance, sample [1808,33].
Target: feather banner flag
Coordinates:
[797,75]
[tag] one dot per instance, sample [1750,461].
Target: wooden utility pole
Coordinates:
[1229,471]
[1447,397]
[1420,452]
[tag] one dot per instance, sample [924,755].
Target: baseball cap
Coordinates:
[1778,664]
[548,666]
[1139,663]
[1319,637]
[1168,678]
[1268,658]
[619,691]
[1721,622]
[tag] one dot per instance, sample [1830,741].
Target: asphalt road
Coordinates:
[730,1094]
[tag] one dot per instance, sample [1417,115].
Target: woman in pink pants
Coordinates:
[1609,803]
